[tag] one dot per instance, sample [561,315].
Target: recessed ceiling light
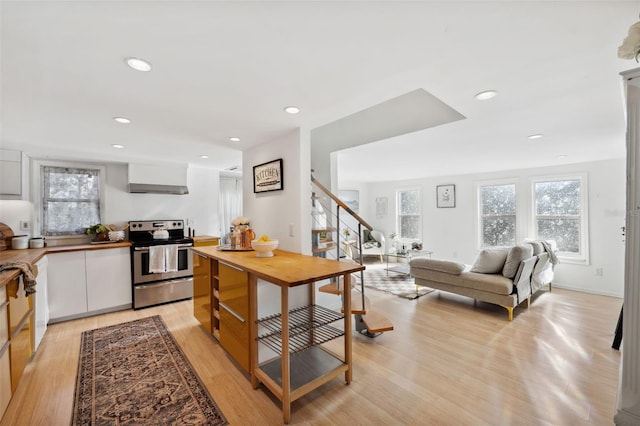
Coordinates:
[487,94]
[138,64]
[117,146]
[536,136]
[204,156]
[122,120]
[234,139]
[292,109]
[562,156]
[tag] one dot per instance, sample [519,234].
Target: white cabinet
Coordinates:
[14,175]
[67,284]
[83,283]
[108,278]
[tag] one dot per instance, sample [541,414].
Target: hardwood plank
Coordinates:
[448,362]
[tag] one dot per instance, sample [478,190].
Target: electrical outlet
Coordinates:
[599,272]
[25,225]
[291,230]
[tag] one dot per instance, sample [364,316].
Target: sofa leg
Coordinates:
[549,285]
[510,310]
[528,302]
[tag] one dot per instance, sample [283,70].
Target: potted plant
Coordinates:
[99,232]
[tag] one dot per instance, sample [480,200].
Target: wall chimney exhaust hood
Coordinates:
[155,179]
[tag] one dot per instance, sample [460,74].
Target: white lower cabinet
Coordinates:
[108,278]
[67,279]
[83,282]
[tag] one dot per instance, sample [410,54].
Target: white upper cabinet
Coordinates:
[14,175]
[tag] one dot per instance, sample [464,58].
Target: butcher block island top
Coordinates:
[285,268]
[296,370]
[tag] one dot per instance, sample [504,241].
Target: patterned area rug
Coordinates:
[135,373]
[399,284]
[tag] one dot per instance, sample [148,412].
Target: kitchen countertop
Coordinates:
[205,238]
[33,255]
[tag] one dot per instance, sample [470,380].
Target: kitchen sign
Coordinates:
[268,176]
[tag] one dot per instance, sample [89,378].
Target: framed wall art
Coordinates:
[351,197]
[268,176]
[446,196]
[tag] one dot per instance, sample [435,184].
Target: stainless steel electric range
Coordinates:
[161,264]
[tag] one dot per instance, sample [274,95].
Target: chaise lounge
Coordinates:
[504,276]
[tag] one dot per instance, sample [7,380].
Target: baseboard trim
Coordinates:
[582,290]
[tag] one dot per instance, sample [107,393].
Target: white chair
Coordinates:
[373,246]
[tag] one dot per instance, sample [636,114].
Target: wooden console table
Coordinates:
[295,334]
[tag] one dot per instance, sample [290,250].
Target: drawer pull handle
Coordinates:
[232,267]
[226,308]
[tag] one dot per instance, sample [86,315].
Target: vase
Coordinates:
[246,235]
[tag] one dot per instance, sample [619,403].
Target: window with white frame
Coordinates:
[408,214]
[497,207]
[559,209]
[70,199]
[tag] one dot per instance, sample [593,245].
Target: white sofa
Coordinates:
[504,276]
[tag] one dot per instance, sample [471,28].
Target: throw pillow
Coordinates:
[490,260]
[516,255]
[537,247]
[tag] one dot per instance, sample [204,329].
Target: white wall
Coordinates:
[198,208]
[12,212]
[451,232]
[273,212]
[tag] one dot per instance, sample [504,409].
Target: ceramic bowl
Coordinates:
[36,242]
[264,248]
[20,242]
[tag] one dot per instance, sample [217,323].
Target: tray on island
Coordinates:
[227,247]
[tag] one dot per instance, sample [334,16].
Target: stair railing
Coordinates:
[340,205]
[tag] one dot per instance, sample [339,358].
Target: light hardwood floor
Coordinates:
[448,362]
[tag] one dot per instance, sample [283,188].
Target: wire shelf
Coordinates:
[308,326]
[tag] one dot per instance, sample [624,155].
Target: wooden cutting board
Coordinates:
[6,234]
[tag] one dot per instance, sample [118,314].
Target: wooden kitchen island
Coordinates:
[295,335]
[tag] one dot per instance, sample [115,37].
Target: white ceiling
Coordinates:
[223,69]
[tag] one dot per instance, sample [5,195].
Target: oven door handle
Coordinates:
[143,249]
[231,311]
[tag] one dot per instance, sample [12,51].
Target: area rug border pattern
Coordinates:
[82,404]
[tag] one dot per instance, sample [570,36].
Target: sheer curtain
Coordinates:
[230,202]
[70,199]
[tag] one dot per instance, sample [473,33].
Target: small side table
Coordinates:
[409,254]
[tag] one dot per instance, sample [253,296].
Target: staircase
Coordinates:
[328,230]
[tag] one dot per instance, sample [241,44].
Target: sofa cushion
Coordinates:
[491,283]
[447,266]
[490,260]
[516,255]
